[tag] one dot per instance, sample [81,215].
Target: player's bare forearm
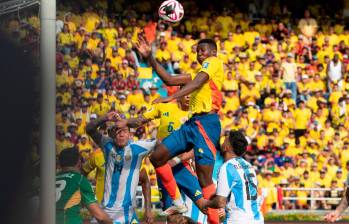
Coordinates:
[217,202]
[99,214]
[166,77]
[146,189]
[136,122]
[92,129]
[191,86]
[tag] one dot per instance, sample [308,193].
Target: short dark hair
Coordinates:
[238,142]
[69,157]
[210,42]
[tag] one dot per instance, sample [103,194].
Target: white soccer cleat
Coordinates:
[174,210]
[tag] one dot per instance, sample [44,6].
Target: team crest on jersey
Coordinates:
[127,156]
[118,158]
[205,65]
[200,150]
[134,221]
[197,193]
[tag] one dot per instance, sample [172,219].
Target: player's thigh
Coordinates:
[205,134]
[173,145]
[160,156]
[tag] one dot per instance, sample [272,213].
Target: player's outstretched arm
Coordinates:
[343,205]
[144,49]
[92,127]
[99,214]
[146,189]
[168,79]
[190,87]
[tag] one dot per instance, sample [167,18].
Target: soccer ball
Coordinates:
[171,11]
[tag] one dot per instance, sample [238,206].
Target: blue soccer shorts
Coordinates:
[201,133]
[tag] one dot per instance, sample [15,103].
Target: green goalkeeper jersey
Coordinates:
[72,191]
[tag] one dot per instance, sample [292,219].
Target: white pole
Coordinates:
[48,96]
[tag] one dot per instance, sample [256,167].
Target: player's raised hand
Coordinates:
[143,46]
[113,116]
[332,216]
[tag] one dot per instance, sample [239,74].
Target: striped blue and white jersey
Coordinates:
[122,167]
[237,182]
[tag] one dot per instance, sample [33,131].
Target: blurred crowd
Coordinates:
[286,84]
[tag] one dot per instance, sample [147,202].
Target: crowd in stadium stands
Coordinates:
[286,87]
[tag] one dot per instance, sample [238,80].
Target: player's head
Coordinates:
[206,48]
[179,219]
[69,157]
[235,142]
[120,133]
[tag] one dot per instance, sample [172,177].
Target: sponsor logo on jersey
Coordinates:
[197,193]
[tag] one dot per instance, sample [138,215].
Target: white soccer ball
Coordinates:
[171,11]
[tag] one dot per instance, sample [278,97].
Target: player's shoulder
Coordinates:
[214,60]
[70,175]
[237,163]
[226,165]
[140,146]
[163,107]
[105,140]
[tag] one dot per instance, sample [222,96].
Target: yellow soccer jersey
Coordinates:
[209,96]
[100,109]
[96,162]
[170,115]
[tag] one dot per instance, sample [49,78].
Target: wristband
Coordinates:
[177,160]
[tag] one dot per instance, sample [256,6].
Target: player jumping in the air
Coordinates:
[172,115]
[237,184]
[202,131]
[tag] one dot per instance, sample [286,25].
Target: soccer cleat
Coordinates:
[174,210]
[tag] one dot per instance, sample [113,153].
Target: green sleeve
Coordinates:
[87,195]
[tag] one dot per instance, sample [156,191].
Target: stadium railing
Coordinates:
[313,196]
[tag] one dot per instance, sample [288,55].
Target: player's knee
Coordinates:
[154,161]
[160,156]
